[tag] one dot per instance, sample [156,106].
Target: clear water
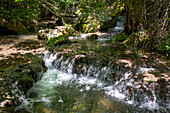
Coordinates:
[98,88]
[62,91]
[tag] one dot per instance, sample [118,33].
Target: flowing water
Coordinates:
[62,91]
[119,25]
[74,85]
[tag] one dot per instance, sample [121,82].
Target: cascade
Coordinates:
[119,25]
[62,90]
[105,36]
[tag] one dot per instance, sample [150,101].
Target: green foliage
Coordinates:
[70,30]
[155,22]
[138,39]
[18,0]
[63,39]
[18,15]
[165,46]
[23,32]
[119,38]
[92,14]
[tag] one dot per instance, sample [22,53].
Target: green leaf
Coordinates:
[18,0]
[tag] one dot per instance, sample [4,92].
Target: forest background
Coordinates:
[146,24]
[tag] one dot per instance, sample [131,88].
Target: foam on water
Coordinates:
[115,93]
[83,35]
[45,89]
[150,105]
[119,25]
[102,39]
[145,70]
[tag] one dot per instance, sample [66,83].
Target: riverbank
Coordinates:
[148,71]
[20,67]
[136,78]
[20,44]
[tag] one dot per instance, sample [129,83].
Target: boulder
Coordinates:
[17,80]
[92,36]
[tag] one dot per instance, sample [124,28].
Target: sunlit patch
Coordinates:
[128,63]
[150,77]
[79,56]
[128,52]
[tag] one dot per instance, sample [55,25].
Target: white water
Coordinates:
[59,74]
[60,78]
[105,36]
[119,25]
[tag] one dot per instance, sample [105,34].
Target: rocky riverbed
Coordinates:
[143,73]
[20,67]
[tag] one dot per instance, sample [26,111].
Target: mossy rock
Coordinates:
[118,38]
[17,80]
[138,39]
[92,37]
[27,73]
[63,39]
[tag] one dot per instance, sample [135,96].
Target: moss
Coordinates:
[138,39]
[63,39]
[23,32]
[20,76]
[118,38]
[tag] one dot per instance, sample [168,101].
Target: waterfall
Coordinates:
[60,84]
[105,36]
[119,25]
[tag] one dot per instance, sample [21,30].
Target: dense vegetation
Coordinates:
[53,21]
[146,20]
